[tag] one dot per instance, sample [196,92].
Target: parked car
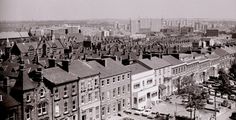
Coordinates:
[224,96]
[127,112]
[218,94]
[232,97]
[138,111]
[210,100]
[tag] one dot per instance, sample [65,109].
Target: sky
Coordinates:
[17,10]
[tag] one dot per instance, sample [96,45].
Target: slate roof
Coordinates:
[137,68]
[7,100]
[155,63]
[81,69]
[24,47]
[57,75]
[172,60]
[221,52]
[112,68]
[24,83]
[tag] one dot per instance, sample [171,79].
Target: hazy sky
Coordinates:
[86,9]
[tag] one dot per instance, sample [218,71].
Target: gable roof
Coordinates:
[24,47]
[221,52]
[155,63]
[137,68]
[111,68]
[7,100]
[172,60]
[81,69]
[57,75]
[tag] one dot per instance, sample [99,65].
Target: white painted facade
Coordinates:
[144,89]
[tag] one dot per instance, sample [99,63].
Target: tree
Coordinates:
[196,96]
[224,82]
[232,71]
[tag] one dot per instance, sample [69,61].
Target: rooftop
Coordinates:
[137,68]
[155,63]
[81,69]
[57,75]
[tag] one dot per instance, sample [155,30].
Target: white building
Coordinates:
[144,88]
[162,75]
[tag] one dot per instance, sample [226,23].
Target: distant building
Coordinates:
[212,33]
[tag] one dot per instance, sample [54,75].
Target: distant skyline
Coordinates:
[23,10]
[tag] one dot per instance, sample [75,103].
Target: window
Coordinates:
[96,95]
[90,110]
[28,98]
[142,99]
[56,93]
[137,85]
[90,97]
[123,89]
[74,104]
[149,81]
[96,82]
[128,101]
[65,91]
[82,99]
[114,79]
[159,72]
[82,87]
[114,107]
[42,92]
[114,92]
[103,83]
[118,79]
[57,109]
[103,110]
[73,89]
[123,102]
[74,117]
[123,77]
[103,96]
[127,75]
[118,91]
[0,97]
[108,81]
[154,94]
[27,111]
[65,107]
[42,109]
[108,109]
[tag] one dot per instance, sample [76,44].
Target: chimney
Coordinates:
[51,62]
[65,65]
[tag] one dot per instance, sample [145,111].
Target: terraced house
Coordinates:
[114,86]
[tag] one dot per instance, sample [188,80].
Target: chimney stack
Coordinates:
[51,62]
[65,65]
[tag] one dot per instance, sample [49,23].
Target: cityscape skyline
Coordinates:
[26,10]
